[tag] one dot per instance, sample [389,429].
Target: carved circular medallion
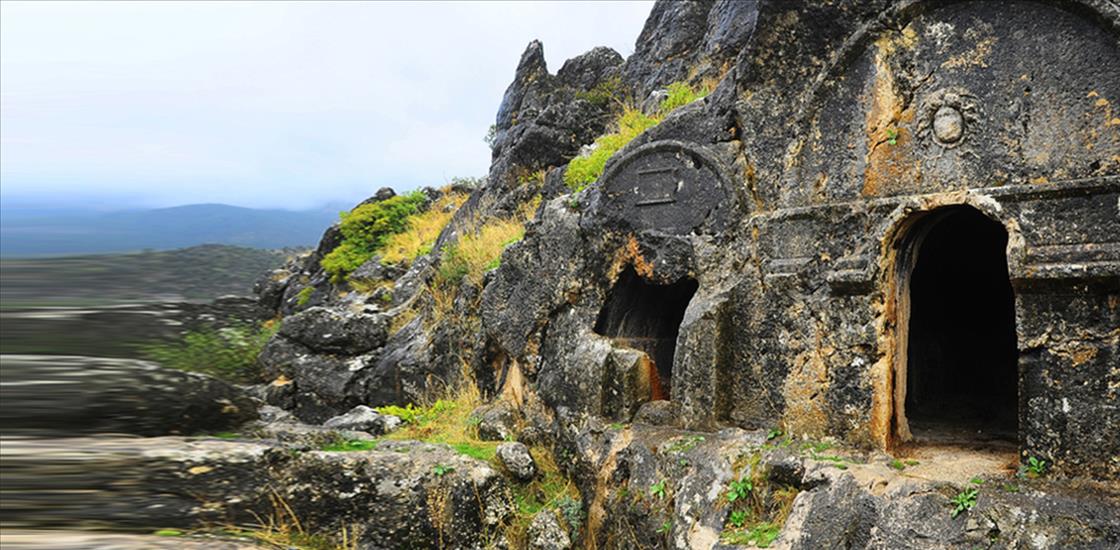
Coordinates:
[669,187]
[948,116]
[948,125]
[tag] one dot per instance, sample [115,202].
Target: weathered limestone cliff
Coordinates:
[860,288]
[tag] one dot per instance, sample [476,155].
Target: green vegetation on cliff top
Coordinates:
[584,170]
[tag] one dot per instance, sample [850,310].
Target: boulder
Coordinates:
[658,413]
[398,495]
[336,331]
[495,421]
[86,395]
[546,533]
[517,461]
[365,419]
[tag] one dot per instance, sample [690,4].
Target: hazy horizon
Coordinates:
[114,106]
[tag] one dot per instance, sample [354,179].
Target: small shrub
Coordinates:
[603,93]
[737,518]
[658,489]
[304,296]
[365,230]
[964,501]
[441,470]
[229,353]
[897,464]
[572,510]
[491,135]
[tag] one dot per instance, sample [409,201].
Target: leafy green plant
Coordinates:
[658,489]
[229,353]
[665,528]
[976,481]
[737,518]
[1034,467]
[365,230]
[349,445]
[441,470]
[897,464]
[168,533]
[964,501]
[892,136]
[739,490]
[773,434]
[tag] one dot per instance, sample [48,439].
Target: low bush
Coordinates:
[366,229]
[228,353]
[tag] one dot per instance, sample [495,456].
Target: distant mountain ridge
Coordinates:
[47,233]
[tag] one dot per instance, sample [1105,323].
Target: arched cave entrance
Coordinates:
[961,376]
[646,316]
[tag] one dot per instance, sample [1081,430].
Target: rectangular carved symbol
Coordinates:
[658,186]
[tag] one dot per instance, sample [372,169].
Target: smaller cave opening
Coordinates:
[962,374]
[646,316]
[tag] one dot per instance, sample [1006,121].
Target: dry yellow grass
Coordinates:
[423,230]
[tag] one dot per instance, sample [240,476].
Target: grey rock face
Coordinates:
[658,413]
[542,121]
[546,533]
[495,421]
[517,460]
[85,395]
[332,330]
[365,419]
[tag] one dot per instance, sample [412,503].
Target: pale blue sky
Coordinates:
[265,104]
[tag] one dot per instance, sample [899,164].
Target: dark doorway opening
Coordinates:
[646,316]
[961,357]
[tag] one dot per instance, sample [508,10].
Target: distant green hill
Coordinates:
[198,273]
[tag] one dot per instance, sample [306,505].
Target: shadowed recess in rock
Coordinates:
[646,316]
[961,361]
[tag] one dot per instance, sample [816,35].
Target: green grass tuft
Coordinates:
[350,445]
